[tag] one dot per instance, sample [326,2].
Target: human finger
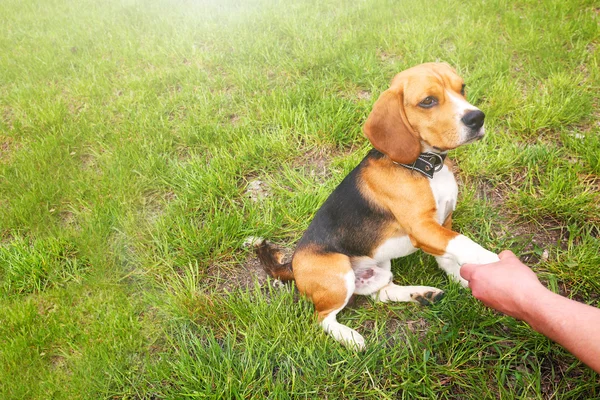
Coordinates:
[466,271]
[506,254]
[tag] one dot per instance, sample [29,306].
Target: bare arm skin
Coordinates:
[512,288]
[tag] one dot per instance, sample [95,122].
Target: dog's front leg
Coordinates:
[452,268]
[450,248]
[449,262]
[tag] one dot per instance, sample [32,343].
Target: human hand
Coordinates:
[508,285]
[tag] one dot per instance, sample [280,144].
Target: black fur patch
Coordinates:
[347,222]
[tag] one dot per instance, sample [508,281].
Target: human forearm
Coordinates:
[573,325]
[511,287]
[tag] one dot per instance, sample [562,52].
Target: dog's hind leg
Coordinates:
[328,280]
[417,294]
[375,279]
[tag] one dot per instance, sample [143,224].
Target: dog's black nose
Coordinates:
[473,119]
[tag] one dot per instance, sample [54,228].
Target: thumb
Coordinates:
[466,271]
[506,254]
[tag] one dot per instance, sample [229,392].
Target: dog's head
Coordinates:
[425,107]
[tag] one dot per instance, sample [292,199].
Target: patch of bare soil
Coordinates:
[540,235]
[554,370]
[8,117]
[386,57]
[396,330]
[233,119]
[230,279]
[236,276]
[7,148]
[532,236]
[315,163]
[364,95]
[155,203]
[257,190]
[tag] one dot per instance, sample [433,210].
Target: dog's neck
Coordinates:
[427,163]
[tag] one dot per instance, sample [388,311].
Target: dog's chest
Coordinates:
[445,192]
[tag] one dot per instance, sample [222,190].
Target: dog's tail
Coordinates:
[271,260]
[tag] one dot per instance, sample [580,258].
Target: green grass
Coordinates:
[130,131]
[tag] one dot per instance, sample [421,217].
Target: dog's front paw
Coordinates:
[478,255]
[466,251]
[484,257]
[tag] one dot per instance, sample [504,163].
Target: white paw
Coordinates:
[349,337]
[452,268]
[417,294]
[343,334]
[427,296]
[355,342]
[466,251]
[483,257]
[459,279]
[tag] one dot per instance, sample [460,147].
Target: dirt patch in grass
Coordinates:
[257,190]
[364,95]
[233,119]
[234,276]
[556,372]
[315,163]
[355,94]
[535,237]
[591,181]
[241,276]
[495,194]
[8,117]
[7,148]
[155,203]
[395,330]
[387,57]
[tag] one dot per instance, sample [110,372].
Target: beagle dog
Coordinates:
[400,198]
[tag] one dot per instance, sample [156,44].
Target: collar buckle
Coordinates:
[427,163]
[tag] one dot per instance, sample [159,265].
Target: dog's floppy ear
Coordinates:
[388,130]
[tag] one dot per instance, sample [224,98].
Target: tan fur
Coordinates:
[415,209]
[321,278]
[397,123]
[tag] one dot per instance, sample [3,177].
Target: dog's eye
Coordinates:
[428,102]
[462,90]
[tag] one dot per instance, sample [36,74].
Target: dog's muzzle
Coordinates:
[473,120]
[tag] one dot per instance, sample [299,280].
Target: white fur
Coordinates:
[461,107]
[379,277]
[380,264]
[445,192]
[452,269]
[342,333]
[252,241]
[393,292]
[463,250]
[395,247]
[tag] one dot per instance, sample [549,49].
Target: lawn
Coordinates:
[141,142]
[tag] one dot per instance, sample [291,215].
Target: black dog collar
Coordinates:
[427,163]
